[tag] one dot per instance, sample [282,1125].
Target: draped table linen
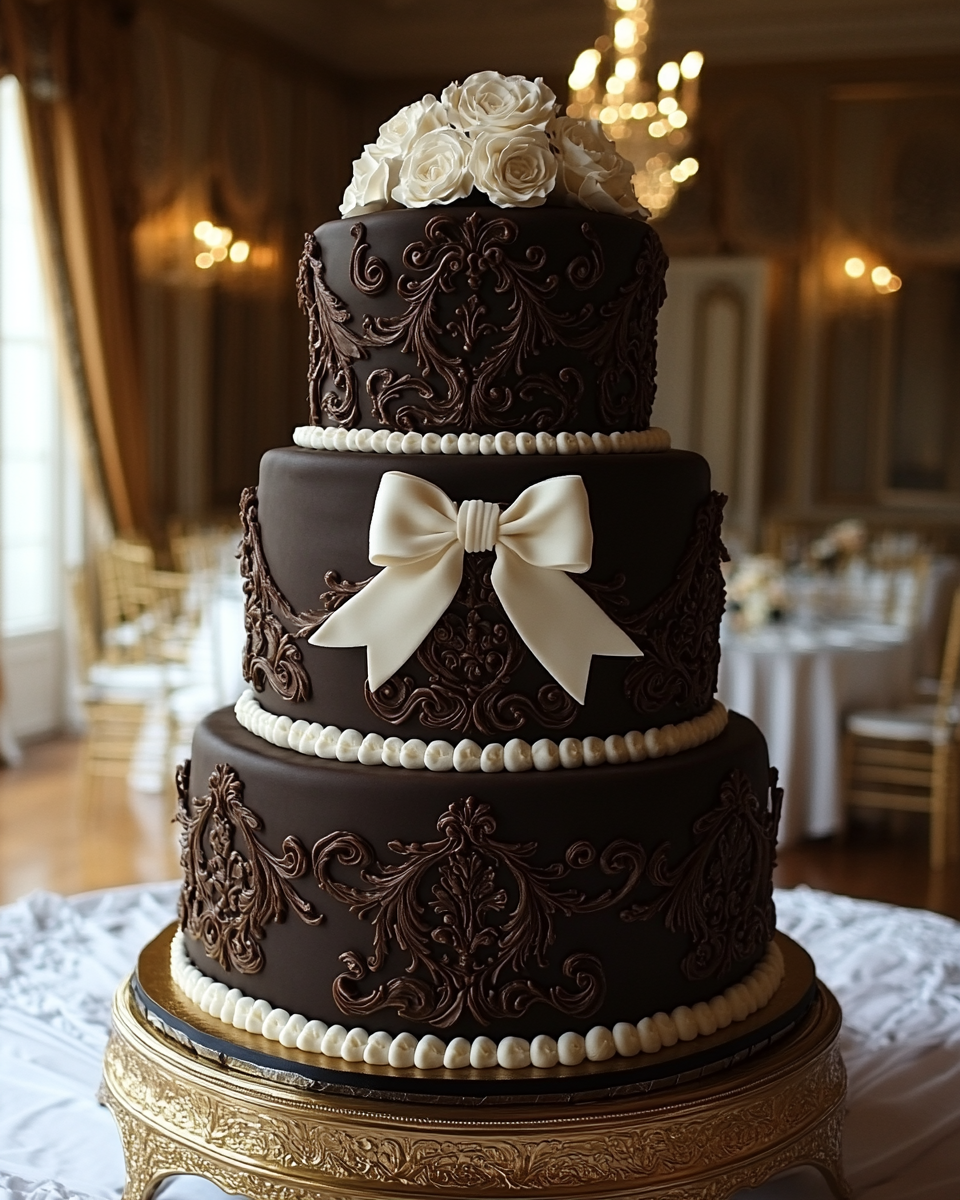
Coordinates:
[798,684]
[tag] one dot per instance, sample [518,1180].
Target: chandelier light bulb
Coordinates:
[626,68]
[691,64]
[881,276]
[584,69]
[855,267]
[239,251]
[626,5]
[625,34]
[669,76]
[202,230]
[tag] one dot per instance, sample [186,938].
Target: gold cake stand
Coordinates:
[265,1134]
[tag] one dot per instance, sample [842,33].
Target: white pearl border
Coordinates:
[385,441]
[372,750]
[233,1007]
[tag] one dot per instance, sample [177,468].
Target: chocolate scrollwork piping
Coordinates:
[368,274]
[470,656]
[679,631]
[233,886]
[270,652]
[334,347]
[488,924]
[721,894]
[587,270]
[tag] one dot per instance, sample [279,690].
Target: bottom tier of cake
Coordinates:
[484,906]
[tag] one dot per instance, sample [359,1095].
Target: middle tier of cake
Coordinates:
[655,571]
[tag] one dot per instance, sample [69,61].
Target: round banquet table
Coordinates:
[797,684]
[896,972]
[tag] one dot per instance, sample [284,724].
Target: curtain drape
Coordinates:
[74,61]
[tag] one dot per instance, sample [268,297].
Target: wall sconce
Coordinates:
[220,245]
[882,278]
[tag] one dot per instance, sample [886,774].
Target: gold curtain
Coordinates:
[74,61]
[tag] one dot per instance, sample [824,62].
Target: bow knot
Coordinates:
[478,525]
[419,536]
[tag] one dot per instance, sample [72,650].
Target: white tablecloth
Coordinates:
[896,972]
[797,684]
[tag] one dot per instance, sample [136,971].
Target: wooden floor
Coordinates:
[57,835]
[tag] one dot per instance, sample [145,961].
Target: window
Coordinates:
[30,431]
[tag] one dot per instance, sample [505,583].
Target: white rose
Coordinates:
[491,101]
[516,169]
[436,170]
[399,133]
[374,175]
[590,171]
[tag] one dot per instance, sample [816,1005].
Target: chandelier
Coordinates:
[608,84]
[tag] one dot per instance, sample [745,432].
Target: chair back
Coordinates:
[950,669]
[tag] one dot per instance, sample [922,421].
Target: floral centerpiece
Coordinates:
[757,592]
[500,135]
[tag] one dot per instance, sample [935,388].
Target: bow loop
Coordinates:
[419,536]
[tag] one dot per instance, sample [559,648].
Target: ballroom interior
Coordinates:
[161,162]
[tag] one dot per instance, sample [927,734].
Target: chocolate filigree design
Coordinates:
[233,885]
[470,656]
[270,652]
[679,632]
[623,344]
[721,894]
[334,347]
[489,920]
[473,251]
[587,270]
[369,275]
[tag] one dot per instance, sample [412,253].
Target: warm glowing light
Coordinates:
[626,68]
[615,85]
[584,69]
[657,129]
[624,34]
[677,119]
[854,267]
[608,115]
[691,166]
[219,253]
[691,64]
[202,230]
[573,110]
[204,260]
[881,276]
[626,112]
[668,105]
[626,5]
[669,76]
[239,251]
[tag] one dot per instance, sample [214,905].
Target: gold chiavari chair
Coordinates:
[907,759]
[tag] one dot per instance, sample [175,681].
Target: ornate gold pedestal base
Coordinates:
[180,1114]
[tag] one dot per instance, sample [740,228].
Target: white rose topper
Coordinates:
[498,134]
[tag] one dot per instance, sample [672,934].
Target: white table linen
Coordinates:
[896,972]
[797,684]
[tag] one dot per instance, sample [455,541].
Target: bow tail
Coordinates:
[559,622]
[395,612]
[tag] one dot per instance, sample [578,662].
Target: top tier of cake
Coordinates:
[472,318]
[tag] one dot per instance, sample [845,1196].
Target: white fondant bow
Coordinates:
[419,535]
